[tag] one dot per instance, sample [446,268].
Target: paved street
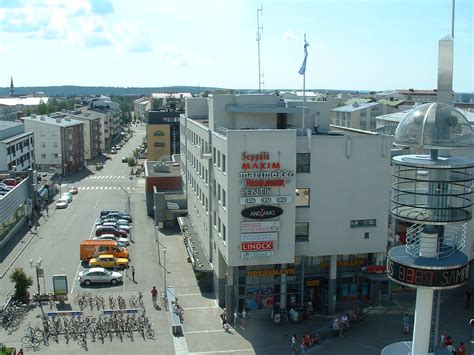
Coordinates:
[57,244]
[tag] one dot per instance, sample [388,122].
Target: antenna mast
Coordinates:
[259,37]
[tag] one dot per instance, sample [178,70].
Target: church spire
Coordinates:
[12,87]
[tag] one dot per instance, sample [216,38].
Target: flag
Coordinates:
[302,70]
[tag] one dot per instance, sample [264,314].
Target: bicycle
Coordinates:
[31,340]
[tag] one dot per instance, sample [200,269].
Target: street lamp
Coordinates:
[164,266]
[39,273]
[157,245]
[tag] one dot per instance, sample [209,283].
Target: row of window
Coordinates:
[198,167]
[54,144]
[217,161]
[19,146]
[219,226]
[20,160]
[199,193]
[220,192]
[52,156]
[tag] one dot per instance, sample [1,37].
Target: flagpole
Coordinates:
[304,86]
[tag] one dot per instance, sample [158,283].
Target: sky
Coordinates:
[353,44]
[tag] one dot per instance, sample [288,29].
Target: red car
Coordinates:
[9,182]
[110,230]
[73,190]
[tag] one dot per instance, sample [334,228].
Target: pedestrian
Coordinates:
[154,295]
[243,315]
[47,210]
[461,349]
[467,299]
[20,352]
[406,323]
[442,338]
[294,349]
[133,273]
[223,316]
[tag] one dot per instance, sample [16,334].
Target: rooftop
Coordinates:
[175,95]
[9,124]
[355,107]
[165,169]
[23,100]
[61,122]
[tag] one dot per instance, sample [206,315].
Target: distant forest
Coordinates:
[71,90]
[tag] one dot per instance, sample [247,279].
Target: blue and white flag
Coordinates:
[302,70]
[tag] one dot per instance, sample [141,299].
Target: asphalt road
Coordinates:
[56,245]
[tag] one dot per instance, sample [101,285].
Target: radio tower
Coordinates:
[259,37]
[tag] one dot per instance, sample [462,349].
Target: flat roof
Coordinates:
[16,137]
[9,124]
[352,108]
[52,121]
[173,169]
[22,100]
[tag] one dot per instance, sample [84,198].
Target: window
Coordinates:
[303,162]
[224,232]
[301,231]
[55,144]
[218,159]
[219,225]
[214,219]
[159,144]
[214,187]
[43,145]
[43,156]
[223,162]
[219,192]
[214,160]
[355,223]
[223,198]
[302,197]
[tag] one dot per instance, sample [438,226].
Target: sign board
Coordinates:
[256,254]
[264,199]
[251,246]
[262,212]
[260,227]
[312,282]
[271,272]
[60,284]
[119,311]
[258,237]
[65,313]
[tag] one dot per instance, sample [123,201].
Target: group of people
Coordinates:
[446,342]
[305,342]
[342,322]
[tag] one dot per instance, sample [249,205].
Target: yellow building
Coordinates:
[357,115]
[162,133]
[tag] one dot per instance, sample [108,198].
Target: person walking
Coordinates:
[406,323]
[133,273]
[154,295]
[223,316]
[461,349]
[294,347]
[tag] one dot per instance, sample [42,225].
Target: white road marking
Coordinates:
[208,307]
[79,266]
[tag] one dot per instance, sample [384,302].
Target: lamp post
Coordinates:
[164,265]
[39,273]
[157,245]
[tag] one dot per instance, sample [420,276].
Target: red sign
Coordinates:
[249,246]
[376,269]
[265,183]
[261,166]
[256,157]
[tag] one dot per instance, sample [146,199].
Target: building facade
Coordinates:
[356,115]
[92,133]
[274,203]
[59,143]
[162,132]
[140,108]
[16,147]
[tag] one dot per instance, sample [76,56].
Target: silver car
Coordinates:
[121,240]
[99,275]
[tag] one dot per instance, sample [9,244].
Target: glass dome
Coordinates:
[434,126]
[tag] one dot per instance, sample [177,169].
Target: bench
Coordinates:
[176,325]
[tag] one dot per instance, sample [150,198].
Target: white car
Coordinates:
[66,196]
[124,241]
[99,275]
[62,203]
[125,227]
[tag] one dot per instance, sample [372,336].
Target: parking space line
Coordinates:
[79,266]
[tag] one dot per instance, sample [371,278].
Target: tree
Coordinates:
[42,108]
[22,283]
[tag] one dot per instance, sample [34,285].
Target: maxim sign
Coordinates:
[262,212]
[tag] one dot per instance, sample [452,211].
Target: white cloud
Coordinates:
[3,49]
[289,36]
[132,37]
[180,56]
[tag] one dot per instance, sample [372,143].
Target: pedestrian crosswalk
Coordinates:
[107,177]
[85,188]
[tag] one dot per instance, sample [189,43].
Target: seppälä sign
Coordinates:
[262,212]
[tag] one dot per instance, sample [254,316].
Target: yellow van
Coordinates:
[92,248]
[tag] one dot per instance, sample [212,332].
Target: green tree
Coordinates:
[42,108]
[22,282]
[52,105]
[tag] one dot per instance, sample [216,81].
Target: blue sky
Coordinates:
[363,44]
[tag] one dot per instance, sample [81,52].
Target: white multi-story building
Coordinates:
[140,107]
[16,147]
[59,143]
[285,210]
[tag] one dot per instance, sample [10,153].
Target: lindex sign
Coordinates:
[251,246]
[262,212]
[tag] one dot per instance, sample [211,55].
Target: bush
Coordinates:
[22,283]
[131,162]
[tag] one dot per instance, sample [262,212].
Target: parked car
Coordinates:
[99,166]
[105,212]
[3,193]
[5,187]
[124,159]
[110,230]
[120,215]
[101,221]
[125,227]
[113,151]
[108,261]
[62,203]
[121,242]
[73,190]
[67,196]
[99,275]
[9,182]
